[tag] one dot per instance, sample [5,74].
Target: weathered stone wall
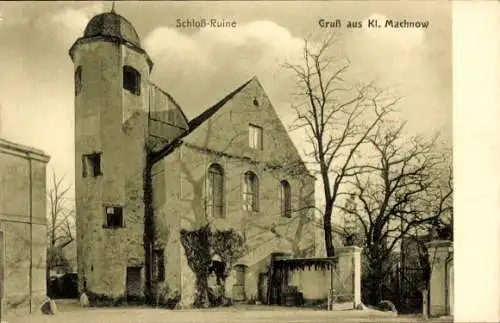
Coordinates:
[23,227]
[223,139]
[112,121]
[168,227]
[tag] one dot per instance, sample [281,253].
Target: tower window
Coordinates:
[131,80]
[78,80]
[286,199]
[255,137]
[92,165]
[114,217]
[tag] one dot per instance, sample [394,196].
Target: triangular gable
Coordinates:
[204,116]
[241,95]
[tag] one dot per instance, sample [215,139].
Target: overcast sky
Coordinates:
[198,67]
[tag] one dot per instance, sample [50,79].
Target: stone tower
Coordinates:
[111,73]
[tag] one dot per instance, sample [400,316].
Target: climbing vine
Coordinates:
[200,245]
[196,246]
[149,235]
[229,245]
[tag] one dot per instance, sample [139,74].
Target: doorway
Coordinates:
[134,290]
[239,285]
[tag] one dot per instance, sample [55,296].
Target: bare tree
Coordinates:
[337,117]
[60,224]
[404,187]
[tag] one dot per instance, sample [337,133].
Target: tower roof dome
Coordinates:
[113,25]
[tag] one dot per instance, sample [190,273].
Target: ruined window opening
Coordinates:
[114,217]
[131,80]
[251,192]
[286,199]
[92,165]
[255,137]
[78,80]
[215,191]
[159,256]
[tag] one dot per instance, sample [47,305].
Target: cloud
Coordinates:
[36,86]
[167,45]
[256,42]
[70,22]
[202,60]
[213,62]
[197,68]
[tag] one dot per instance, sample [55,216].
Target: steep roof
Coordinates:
[171,99]
[197,121]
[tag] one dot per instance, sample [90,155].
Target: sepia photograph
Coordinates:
[266,161]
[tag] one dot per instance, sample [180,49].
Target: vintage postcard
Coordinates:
[226,161]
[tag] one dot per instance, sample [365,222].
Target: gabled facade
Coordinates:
[237,168]
[233,166]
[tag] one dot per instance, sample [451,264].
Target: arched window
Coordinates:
[215,191]
[131,80]
[286,199]
[78,80]
[251,192]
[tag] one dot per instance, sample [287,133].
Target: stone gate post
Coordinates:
[349,272]
[440,254]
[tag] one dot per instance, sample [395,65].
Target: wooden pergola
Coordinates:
[301,264]
[294,264]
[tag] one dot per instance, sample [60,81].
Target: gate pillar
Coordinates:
[440,255]
[348,273]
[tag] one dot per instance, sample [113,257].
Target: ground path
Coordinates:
[234,314]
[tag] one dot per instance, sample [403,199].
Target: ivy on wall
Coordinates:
[196,247]
[200,245]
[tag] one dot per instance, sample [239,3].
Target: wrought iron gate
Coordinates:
[412,280]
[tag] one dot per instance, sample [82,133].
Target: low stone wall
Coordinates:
[250,283]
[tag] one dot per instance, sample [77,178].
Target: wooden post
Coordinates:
[330,294]
[270,281]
